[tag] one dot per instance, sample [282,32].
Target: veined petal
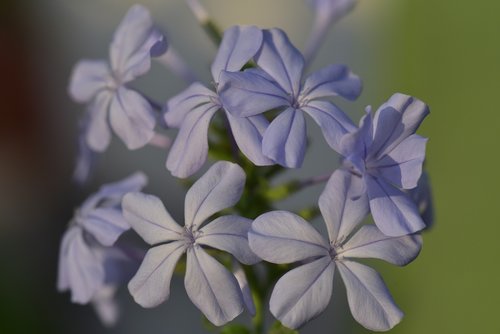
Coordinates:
[343,204]
[135,40]
[88,78]
[250,93]
[230,234]
[333,80]
[285,139]
[239,273]
[85,272]
[369,299]
[248,133]
[105,224]
[239,44]
[358,141]
[219,188]
[393,211]
[149,218]
[179,106]
[132,118]
[283,237]
[303,293]
[370,242]
[403,165]
[395,120]
[190,149]
[334,123]
[212,288]
[63,282]
[281,60]
[111,194]
[151,284]
[97,134]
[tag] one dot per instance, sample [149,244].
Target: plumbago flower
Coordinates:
[209,285]
[304,292]
[102,84]
[387,154]
[326,14]
[193,109]
[91,266]
[278,83]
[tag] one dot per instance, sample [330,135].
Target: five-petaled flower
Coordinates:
[102,85]
[91,266]
[387,154]
[304,292]
[193,109]
[277,83]
[209,285]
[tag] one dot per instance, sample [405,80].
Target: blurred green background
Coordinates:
[445,52]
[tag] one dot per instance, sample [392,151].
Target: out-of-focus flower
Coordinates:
[102,84]
[304,292]
[209,285]
[278,83]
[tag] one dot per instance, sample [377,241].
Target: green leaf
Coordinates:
[278,328]
[234,329]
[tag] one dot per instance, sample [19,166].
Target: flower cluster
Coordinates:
[261,93]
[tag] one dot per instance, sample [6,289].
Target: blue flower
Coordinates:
[387,154]
[304,292]
[209,285]
[277,83]
[91,266]
[102,84]
[193,109]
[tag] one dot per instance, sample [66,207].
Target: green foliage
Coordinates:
[278,328]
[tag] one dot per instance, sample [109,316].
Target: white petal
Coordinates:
[370,242]
[219,188]
[303,293]
[105,224]
[148,217]
[369,299]
[212,288]
[239,273]
[88,78]
[343,204]
[151,284]
[98,134]
[132,118]
[229,233]
[283,237]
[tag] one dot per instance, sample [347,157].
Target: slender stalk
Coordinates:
[209,25]
[174,62]
[160,141]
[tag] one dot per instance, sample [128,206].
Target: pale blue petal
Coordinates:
[369,299]
[250,93]
[334,123]
[106,225]
[219,188]
[248,133]
[86,158]
[333,80]
[343,204]
[149,218]
[358,141]
[283,237]
[394,121]
[111,194]
[212,288]
[68,238]
[393,210]
[281,60]
[98,134]
[239,44]
[106,306]
[229,233]
[132,118]
[88,78]
[190,149]
[422,195]
[303,293]
[246,292]
[285,139]
[179,106]
[403,165]
[135,40]
[151,284]
[369,242]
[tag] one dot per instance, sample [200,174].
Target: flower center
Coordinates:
[333,253]
[189,236]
